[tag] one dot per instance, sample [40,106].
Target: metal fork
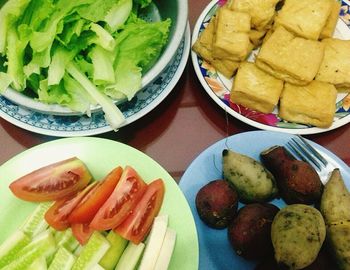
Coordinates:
[300,148]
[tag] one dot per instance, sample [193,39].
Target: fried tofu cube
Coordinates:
[332,20]
[289,58]
[261,11]
[312,104]
[335,67]
[231,40]
[255,89]
[256,37]
[225,67]
[204,46]
[304,18]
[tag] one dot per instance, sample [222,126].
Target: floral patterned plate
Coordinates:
[81,125]
[218,86]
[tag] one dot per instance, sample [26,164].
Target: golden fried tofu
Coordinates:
[261,11]
[268,35]
[304,18]
[256,37]
[231,39]
[331,23]
[255,89]
[335,67]
[290,58]
[225,67]
[312,104]
[204,46]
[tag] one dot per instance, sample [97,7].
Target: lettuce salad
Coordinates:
[78,53]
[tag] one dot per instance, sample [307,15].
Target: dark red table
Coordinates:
[181,127]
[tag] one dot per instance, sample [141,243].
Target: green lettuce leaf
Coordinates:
[5,81]
[63,55]
[36,12]
[113,115]
[43,38]
[113,12]
[9,15]
[55,94]
[143,3]
[15,56]
[137,48]
[81,100]
[102,61]
[77,53]
[103,37]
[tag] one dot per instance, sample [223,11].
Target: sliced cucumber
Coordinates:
[38,264]
[78,250]
[66,239]
[12,245]
[97,267]
[92,252]
[154,244]
[130,257]
[63,260]
[111,258]
[166,251]
[36,222]
[42,245]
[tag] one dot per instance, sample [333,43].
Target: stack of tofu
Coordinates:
[299,66]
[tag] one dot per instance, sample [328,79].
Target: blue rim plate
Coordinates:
[218,86]
[215,252]
[81,125]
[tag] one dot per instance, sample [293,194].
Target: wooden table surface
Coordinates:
[180,128]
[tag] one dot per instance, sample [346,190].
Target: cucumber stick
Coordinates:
[92,252]
[42,245]
[63,260]
[166,251]
[38,264]
[97,267]
[36,222]
[130,257]
[66,239]
[111,258]
[78,250]
[154,244]
[12,245]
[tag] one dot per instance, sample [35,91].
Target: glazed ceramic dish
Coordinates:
[81,125]
[177,11]
[218,86]
[215,251]
[100,156]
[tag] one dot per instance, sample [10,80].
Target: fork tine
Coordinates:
[313,150]
[294,151]
[303,153]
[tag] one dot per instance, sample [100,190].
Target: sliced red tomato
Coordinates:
[122,201]
[82,232]
[138,224]
[92,202]
[58,213]
[52,182]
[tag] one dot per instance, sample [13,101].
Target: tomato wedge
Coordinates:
[52,182]
[82,232]
[138,224]
[57,215]
[93,201]
[122,201]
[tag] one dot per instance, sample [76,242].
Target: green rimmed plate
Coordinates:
[101,156]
